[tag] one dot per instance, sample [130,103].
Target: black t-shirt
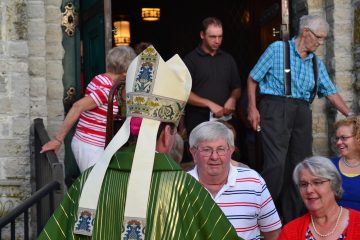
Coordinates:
[213,77]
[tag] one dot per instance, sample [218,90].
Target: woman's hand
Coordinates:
[54,145]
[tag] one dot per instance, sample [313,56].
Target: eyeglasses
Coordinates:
[319,38]
[207,152]
[315,184]
[342,138]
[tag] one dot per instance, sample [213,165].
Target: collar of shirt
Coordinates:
[292,43]
[231,180]
[202,53]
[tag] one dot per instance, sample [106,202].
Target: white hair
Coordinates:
[210,131]
[313,22]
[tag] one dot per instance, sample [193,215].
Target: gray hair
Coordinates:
[119,58]
[321,167]
[313,22]
[210,131]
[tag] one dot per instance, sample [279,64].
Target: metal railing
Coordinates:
[49,178]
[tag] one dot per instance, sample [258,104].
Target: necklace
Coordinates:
[332,231]
[349,164]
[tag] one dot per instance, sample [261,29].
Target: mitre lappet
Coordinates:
[156,91]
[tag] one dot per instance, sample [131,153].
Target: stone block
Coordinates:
[37,67]
[3,85]
[16,20]
[2,43]
[18,49]
[315,4]
[54,70]
[4,66]
[53,33]
[55,109]
[5,127]
[318,105]
[347,97]
[16,66]
[38,87]
[15,148]
[20,126]
[11,193]
[36,10]
[319,124]
[38,106]
[20,84]
[55,90]
[20,105]
[320,146]
[342,30]
[342,3]
[5,106]
[344,64]
[15,169]
[55,52]
[53,15]
[37,48]
[55,3]
[37,29]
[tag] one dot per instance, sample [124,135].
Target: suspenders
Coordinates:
[287,73]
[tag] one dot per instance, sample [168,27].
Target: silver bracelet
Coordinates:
[56,139]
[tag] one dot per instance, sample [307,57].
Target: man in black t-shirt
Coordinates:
[215,78]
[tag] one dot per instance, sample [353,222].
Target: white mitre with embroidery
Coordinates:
[156,91]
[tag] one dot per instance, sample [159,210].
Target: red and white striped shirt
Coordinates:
[91,127]
[246,202]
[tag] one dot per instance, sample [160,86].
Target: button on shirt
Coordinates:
[246,202]
[269,73]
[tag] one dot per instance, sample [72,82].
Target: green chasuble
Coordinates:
[179,207]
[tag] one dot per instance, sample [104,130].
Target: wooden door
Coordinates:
[93,39]
[84,58]
[71,78]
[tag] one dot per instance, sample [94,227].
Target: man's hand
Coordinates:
[229,106]
[216,109]
[253,113]
[254,118]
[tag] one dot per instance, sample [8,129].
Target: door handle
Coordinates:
[275,32]
[69,99]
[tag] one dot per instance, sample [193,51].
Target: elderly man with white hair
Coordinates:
[241,193]
[289,76]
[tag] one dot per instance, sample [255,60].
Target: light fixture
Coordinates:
[122,33]
[150,14]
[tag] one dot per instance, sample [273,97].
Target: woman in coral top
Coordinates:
[319,184]
[90,111]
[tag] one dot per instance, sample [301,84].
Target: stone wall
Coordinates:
[356,51]
[337,56]
[30,87]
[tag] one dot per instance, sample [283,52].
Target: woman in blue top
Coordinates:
[348,163]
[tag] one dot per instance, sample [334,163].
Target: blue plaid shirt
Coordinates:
[269,73]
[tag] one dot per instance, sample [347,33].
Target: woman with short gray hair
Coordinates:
[321,167]
[89,138]
[319,184]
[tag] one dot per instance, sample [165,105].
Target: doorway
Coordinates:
[247,26]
